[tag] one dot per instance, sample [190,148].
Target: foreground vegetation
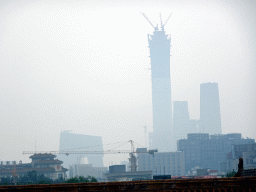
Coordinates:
[32,177]
[231,174]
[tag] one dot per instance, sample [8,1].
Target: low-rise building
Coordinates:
[162,163]
[88,170]
[118,173]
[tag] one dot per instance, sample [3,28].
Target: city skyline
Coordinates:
[84,67]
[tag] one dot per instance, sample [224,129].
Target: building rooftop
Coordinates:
[42,155]
[56,161]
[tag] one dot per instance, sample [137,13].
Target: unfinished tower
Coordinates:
[159,45]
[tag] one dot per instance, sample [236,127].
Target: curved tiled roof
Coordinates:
[54,161]
[40,155]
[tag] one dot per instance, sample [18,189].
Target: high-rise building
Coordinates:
[159,45]
[80,142]
[182,124]
[210,120]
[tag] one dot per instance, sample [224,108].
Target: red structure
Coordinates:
[240,184]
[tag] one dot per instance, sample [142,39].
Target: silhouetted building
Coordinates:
[80,142]
[208,151]
[159,45]
[210,120]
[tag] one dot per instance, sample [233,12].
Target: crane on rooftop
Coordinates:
[156,27]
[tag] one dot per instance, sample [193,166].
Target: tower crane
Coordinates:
[156,27]
[132,152]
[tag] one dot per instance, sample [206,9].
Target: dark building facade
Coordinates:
[159,45]
[209,151]
[245,151]
[210,119]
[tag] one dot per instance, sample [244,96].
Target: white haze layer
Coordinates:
[84,66]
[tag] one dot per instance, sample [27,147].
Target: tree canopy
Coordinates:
[32,177]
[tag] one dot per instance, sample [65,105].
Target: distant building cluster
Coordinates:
[199,143]
[246,151]
[172,124]
[207,151]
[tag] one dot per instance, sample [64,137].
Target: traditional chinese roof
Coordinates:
[64,169]
[53,161]
[42,155]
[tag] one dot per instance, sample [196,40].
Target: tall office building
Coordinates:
[80,142]
[182,124]
[159,45]
[180,120]
[210,120]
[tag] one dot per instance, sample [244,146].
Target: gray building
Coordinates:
[246,151]
[88,170]
[80,142]
[209,151]
[182,124]
[210,119]
[159,45]
[162,163]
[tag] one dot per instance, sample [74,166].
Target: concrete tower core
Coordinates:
[159,45]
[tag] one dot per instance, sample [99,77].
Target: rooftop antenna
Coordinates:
[155,27]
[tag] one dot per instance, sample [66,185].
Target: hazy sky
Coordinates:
[84,66]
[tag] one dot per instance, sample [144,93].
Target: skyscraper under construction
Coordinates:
[159,45]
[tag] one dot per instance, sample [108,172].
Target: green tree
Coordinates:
[31,177]
[93,179]
[81,179]
[230,174]
[72,180]
[6,180]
